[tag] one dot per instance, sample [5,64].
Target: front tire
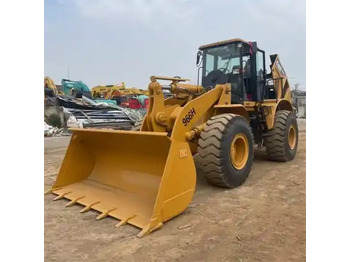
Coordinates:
[226,150]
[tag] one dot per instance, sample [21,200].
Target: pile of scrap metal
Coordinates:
[111,119]
[79,110]
[86,113]
[299,101]
[54,131]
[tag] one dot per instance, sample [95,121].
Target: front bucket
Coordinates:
[140,178]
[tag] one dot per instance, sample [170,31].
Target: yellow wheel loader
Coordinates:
[147,177]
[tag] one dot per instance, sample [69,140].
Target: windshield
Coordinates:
[224,58]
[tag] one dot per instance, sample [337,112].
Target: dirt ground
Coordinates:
[263,220]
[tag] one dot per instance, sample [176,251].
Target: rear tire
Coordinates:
[282,140]
[225,150]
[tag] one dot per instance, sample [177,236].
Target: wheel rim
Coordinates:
[239,151]
[292,137]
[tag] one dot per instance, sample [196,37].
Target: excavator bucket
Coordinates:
[140,178]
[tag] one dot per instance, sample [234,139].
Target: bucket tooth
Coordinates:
[87,208]
[104,214]
[124,221]
[51,190]
[146,230]
[71,203]
[48,191]
[61,195]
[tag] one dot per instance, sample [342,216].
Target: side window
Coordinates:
[209,64]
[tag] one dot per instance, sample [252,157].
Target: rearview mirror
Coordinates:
[199,55]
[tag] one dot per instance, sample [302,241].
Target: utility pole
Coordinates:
[68,74]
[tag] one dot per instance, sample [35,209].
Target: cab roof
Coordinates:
[221,43]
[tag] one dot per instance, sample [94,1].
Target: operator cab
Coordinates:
[237,62]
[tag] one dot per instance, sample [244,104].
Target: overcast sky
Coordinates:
[110,41]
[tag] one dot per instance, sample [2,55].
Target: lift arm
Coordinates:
[190,107]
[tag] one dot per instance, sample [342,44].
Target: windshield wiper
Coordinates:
[228,62]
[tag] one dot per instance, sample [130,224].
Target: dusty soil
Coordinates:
[263,220]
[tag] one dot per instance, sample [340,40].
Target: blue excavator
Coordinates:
[75,88]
